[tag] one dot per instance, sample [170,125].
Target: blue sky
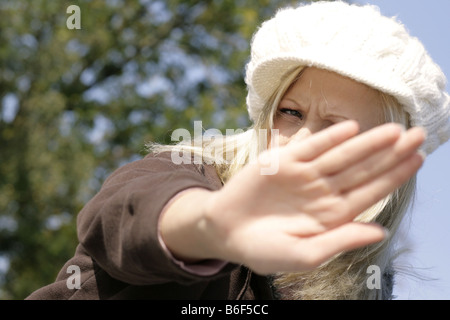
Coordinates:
[427,232]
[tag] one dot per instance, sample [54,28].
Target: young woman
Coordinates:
[350,105]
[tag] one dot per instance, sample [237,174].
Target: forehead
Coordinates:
[336,94]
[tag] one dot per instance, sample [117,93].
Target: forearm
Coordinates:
[119,226]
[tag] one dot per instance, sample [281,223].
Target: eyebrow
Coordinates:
[333,115]
[330,114]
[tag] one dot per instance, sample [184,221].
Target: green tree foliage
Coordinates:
[76,104]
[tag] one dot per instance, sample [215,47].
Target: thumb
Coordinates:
[347,237]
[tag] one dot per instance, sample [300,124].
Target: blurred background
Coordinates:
[77,104]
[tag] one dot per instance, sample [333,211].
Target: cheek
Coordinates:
[367,122]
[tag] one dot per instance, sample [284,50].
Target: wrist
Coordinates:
[182,226]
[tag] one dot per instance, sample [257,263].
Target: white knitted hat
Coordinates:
[357,42]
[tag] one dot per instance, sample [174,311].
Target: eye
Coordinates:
[292,112]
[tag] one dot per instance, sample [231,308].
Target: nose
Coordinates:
[302,134]
[309,128]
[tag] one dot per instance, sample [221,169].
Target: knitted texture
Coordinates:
[357,42]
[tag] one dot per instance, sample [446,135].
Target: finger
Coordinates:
[370,193]
[379,162]
[358,148]
[323,141]
[291,253]
[346,237]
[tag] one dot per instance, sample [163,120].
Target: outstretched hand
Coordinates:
[303,214]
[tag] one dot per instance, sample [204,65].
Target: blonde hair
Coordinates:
[345,275]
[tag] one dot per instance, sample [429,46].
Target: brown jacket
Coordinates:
[119,254]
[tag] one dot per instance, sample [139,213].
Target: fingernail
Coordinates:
[422,154]
[425,132]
